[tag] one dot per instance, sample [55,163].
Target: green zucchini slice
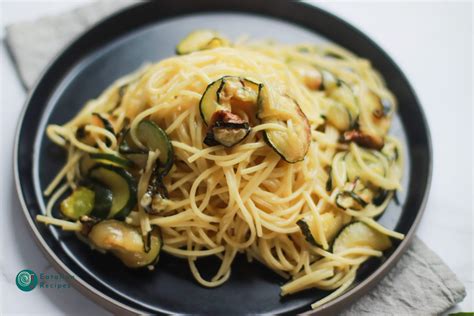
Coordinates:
[292,144]
[331,223]
[123,187]
[200,40]
[79,203]
[103,199]
[209,103]
[358,234]
[130,150]
[153,137]
[127,243]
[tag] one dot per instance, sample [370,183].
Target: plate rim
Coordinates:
[114,305]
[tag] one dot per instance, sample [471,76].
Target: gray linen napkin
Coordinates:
[26,40]
[419,284]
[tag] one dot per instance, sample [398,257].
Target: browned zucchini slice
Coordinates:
[200,40]
[218,105]
[374,127]
[127,243]
[293,142]
[228,94]
[343,112]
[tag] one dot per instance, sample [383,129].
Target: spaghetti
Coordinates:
[295,187]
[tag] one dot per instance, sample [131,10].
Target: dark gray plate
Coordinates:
[149,32]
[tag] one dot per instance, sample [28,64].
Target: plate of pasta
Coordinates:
[223,158]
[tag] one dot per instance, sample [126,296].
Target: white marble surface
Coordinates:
[432,43]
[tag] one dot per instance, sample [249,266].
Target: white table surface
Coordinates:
[431,42]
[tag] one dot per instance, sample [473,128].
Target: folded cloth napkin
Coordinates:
[26,40]
[419,284]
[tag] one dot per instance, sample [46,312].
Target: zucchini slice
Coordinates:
[123,187]
[221,98]
[339,116]
[208,103]
[130,150]
[293,143]
[103,199]
[200,40]
[153,137]
[372,128]
[127,243]
[91,198]
[228,93]
[332,222]
[79,203]
[358,234]
[343,111]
